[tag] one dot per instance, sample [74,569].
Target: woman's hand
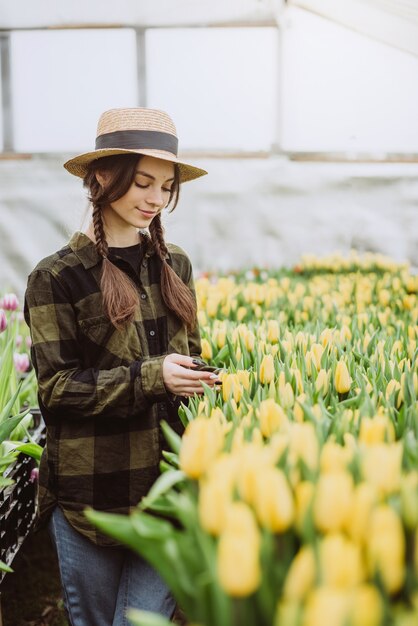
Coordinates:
[181,380]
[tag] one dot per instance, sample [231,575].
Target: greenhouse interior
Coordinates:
[209,391]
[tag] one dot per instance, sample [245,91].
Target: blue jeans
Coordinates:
[100,583]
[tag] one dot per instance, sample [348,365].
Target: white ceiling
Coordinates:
[394,22]
[65,13]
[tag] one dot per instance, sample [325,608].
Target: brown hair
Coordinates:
[120,295]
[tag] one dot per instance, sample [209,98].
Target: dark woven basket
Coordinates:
[17,501]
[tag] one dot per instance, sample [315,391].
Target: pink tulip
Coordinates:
[19,340]
[28,342]
[10,302]
[3,321]
[34,475]
[21,362]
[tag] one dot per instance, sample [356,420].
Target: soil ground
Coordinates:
[31,596]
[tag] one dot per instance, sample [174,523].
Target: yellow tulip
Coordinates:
[273,502]
[386,548]
[381,466]
[214,498]
[322,382]
[358,517]
[273,331]
[206,350]
[238,565]
[340,562]
[366,606]
[231,387]
[304,444]
[286,396]
[342,378]
[335,458]
[409,499]
[327,602]
[266,371]
[201,443]
[376,430]
[333,500]
[394,387]
[301,575]
[272,417]
[317,350]
[304,495]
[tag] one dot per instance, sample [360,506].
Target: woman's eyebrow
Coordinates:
[152,177]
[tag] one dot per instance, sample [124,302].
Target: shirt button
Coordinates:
[144,264]
[143,296]
[152,333]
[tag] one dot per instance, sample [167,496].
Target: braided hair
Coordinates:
[120,295]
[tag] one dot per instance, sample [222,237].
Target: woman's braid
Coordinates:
[99,234]
[157,237]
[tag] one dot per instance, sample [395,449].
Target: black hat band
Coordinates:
[138,140]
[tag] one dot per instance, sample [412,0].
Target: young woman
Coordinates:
[113,323]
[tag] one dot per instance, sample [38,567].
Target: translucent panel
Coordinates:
[62,80]
[343,91]
[219,85]
[1,111]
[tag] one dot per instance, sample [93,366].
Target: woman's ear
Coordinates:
[102,177]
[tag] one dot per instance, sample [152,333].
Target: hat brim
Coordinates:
[79,164]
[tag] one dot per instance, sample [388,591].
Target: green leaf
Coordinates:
[8,425]
[145,618]
[5,568]
[172,438]
[31,449]
[163,484]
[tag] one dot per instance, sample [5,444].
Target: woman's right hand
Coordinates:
[180,379]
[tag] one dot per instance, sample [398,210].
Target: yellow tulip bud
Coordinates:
[266,371]
[301,575]
[342,378]
[272,417]
[241,313]
[215,497]
[221,337]
[335,458]
[386,548]
[273,331]
[304,495]
[206,350]
[273,501]
[394,387]
[340,562]
[376,430]
[231,387]
[333,500]
[330,602]
[304,444]
[286,396]
[366,606]
[409,499]
[358,518]
[322,382]
[381,466]
[317,350]
[201,443]
[239,569]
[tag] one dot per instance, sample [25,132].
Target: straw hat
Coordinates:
[139,131]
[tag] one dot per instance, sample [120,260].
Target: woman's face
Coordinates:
[148,194]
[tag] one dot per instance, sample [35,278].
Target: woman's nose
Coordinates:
[155,196]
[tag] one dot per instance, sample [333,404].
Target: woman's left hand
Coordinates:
[180,379]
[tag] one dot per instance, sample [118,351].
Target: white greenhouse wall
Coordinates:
[265,212]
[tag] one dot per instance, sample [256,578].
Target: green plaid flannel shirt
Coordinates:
[101,390]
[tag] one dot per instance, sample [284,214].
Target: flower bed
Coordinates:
[21,432]
[292,498]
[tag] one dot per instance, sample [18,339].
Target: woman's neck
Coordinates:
[116,239]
